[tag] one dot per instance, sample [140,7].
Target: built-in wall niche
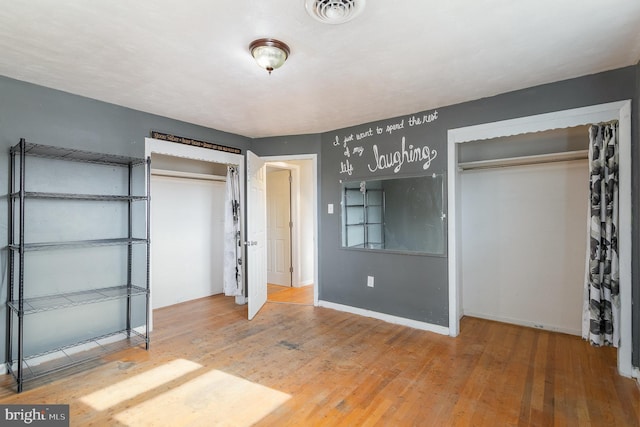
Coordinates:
[395,215]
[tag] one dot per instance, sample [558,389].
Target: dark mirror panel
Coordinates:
[397,215]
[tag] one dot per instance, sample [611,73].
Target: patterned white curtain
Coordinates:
[601,310]
[232,269]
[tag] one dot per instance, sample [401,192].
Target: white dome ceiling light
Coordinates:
[334,11]
[269,53]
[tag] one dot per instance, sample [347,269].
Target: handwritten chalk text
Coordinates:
[396,159]
[346,167]
[427,118]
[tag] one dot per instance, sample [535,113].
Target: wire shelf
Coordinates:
[70,196]
[28,247]
[71,299]
[70,356]
[38,150]
[24,366]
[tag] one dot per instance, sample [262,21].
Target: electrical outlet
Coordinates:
[330,208]
[370,281]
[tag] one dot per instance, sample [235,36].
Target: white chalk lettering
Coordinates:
[395,127]
[397,159]
[363,135]
[346,167]
[427,118]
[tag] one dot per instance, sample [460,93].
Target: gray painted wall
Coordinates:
[48,116]
[287,145]
[415,286]
[409,286]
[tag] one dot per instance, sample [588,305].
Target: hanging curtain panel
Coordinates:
[601,312]
[232,236]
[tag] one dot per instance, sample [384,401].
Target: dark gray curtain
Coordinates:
[601,314]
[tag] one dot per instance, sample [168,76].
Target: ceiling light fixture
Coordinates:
[269,53]
[334,11]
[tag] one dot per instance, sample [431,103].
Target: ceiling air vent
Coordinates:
[334,11]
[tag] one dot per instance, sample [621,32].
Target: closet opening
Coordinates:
[187,217]
[614,111]
[187,198]
[524,211]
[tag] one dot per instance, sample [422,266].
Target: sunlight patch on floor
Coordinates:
[212,399]
[141,383]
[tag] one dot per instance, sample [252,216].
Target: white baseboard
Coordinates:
[76,349]
[386,317]
[520,322]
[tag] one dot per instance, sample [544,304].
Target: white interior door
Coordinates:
[279,227]
[256,234]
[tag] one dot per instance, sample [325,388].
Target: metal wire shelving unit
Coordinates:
[26,367]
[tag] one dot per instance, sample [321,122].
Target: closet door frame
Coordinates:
[620,111]
[168,148]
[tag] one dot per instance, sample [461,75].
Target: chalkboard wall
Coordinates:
[415,286]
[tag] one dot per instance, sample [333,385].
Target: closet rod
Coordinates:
[188,175]
[525,160]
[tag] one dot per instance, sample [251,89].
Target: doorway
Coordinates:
[291,230]
[279,224]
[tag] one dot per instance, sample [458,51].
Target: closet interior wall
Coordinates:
[187,228]
[524,221]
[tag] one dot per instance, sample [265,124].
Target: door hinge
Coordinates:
[290,269]
[290,224]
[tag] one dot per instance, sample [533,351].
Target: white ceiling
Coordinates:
[189,59]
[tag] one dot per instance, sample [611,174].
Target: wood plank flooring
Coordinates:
[301,295]
[299,365]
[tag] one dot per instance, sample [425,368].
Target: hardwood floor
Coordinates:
[299,365]
[301,295]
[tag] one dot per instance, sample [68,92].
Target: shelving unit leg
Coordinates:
[21,269]
[9,333]
[148,230]
[129,251]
